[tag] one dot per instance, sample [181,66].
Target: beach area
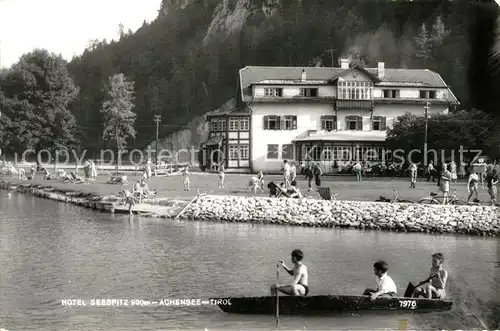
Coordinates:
[354,207]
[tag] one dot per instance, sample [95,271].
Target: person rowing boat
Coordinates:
[298,287]
[438,278]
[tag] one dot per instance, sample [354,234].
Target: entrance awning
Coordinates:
[214,141]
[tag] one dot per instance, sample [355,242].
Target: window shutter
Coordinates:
[323,126]
[294,123]
[278,123]
[347,122]
[334,122]
[383,123]
[266,122]
[359,121]
[375,119]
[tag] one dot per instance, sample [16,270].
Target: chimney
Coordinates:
[344,63]
[304,75]
[380,69]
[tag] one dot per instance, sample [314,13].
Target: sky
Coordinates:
[66,26]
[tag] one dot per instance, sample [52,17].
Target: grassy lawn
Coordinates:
[347,188]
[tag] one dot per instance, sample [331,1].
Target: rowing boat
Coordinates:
[327,304]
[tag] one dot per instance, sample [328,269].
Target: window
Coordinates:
[379,123]
[233,152]
[427,94]
[238,152]
[354,123]
[273,92]
[328,122]
[327,153]
[355,90]
[314,152]
[233,124]
[287,152]
[289,122]
[308,92]
[271,122]
[391,94]
[244,123]
[218,124]
[272,152]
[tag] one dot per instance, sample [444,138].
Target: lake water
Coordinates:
[52,251]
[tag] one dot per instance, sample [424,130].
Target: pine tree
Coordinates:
[439,31]
[119,119]
[423,43]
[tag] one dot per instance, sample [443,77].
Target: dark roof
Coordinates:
[392,77]
[229,107]
[216,140]
[254,74]
[372,75]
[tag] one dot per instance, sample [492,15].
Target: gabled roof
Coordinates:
[229,107]
[422,78]
[370,74]
[254,74]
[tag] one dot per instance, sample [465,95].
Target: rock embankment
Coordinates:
[477,220]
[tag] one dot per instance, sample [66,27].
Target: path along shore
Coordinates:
[233,204]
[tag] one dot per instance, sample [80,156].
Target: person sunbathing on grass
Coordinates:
[294,191]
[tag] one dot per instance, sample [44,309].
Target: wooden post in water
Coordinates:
[277,295]
[183,210]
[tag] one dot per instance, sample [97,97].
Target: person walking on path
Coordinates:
[309,176]
[462,173]
[147,170]
[413,175]
[293,172]
[445,183]
[186,174]
[222,175]
[317,174]
[472,186]
[439,172]
[357,171]
[491,182]
[286,174]
[430,171]
[453,170]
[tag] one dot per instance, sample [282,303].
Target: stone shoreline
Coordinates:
[112,204]
[468,220]
[405,217]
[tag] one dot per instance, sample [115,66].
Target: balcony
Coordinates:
[341,104]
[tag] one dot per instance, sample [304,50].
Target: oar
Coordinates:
[277,295]
[411,288]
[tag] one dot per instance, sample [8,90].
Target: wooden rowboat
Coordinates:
[328,304]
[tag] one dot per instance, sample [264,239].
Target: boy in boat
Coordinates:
[386,286]
[438,278]
[298,286]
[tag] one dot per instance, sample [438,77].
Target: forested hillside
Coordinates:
[185,63]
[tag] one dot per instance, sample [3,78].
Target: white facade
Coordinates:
[292,110]
[309,118]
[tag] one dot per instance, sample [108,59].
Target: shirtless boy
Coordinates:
[438,278]
[298,286]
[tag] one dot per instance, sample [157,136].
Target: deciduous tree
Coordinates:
[37,94]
